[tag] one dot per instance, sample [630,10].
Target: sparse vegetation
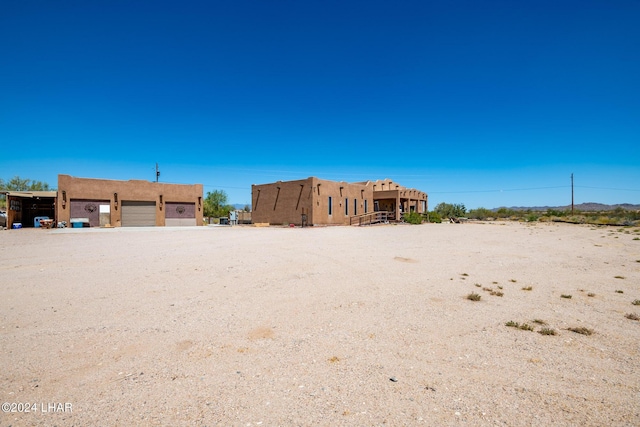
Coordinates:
[334,359]
[632,316]
[446,210]
[591,294]
[618,216]
[565,296]
[636,302]
[539,321]
[547,331]
[581,330]
[513,280]
[512,324]
[478,285]
[497,293]
[527,288]
[526,327]
[618,277]
[618,291]
[474,297]
[412,218]
[434,217]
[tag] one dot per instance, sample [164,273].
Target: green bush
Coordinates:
[434,217]
[480,213]
[447,210]
[412,218]
[531,217]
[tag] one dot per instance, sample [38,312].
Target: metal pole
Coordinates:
[571,194]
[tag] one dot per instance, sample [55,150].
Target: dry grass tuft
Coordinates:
[527,288]
[632,316]
[474,297]
[565,296]
[547,331]
[581,330]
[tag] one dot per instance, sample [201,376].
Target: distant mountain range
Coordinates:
[588,207]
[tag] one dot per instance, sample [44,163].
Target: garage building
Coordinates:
[133,203]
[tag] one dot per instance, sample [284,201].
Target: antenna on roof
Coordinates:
[157,173]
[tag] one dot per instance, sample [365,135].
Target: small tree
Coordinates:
[18,184]
[480,213]
[215,204]
[447,210]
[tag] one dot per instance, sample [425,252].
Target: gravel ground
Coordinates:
[243,326]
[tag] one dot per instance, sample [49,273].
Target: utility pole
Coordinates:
[571,194]
[158,173]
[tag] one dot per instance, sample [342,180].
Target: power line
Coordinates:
[496,190]
[606,188]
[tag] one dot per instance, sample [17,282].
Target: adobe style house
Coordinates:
[321,202]
[137,203]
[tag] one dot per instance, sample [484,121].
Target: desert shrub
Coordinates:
[434,217]
[565,296]
[526,327]
[412,218]
[505,213]
[581,330]
[512,324]
[474,297]
[447,210]
[480,213]
[531,217]
[636,302]
[632,316]
[555,212]
[547,331]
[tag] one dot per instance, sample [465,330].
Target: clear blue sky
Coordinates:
[487,103]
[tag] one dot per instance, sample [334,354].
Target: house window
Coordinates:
[330,205]
[346,207]
[366,206]
[355,206]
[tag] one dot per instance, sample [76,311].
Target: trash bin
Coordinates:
[16,225]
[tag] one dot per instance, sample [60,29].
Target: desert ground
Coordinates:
[354,326]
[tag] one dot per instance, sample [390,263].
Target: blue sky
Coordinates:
[487,103]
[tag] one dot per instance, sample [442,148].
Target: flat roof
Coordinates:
[30,194]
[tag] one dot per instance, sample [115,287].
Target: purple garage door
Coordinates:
[180,214]
[91,209]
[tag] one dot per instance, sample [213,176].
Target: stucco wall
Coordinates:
[284,202]
[117,191]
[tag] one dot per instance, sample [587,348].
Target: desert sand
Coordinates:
[354,326]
